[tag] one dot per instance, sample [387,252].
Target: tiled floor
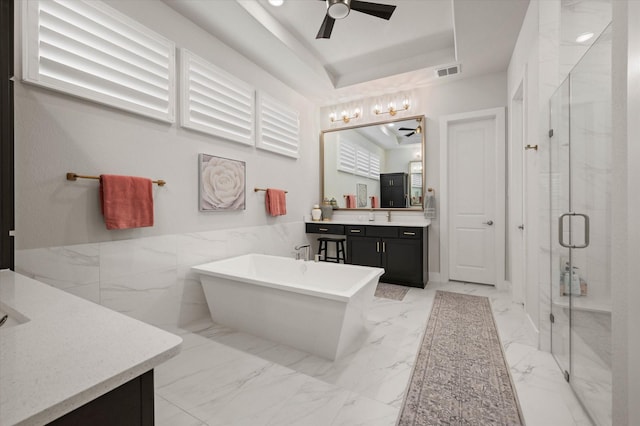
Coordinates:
[224,377]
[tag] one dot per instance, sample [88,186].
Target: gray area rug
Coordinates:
[391,291]
[460,376]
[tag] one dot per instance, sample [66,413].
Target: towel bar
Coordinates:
[74,176]
[263,189]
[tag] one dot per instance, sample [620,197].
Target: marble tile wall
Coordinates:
[150,278]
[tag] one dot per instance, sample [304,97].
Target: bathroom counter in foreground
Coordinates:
[67,351]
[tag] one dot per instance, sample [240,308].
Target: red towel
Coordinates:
[351,201]
[126,201]
[276,202]
[374,202]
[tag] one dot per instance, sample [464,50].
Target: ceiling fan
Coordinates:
[417,130]
[338,9]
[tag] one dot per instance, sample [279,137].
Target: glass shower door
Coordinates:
[591,170]
[559,188]
[580,188]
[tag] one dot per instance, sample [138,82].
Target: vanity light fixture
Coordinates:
[345,116]
[391,108]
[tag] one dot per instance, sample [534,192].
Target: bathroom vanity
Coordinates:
[65,360]
[401,249]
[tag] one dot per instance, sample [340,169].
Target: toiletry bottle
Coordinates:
[575,283]
[565,281]
[316,213]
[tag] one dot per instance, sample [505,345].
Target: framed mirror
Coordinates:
[383,160]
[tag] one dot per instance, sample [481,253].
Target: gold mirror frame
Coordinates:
[421,122]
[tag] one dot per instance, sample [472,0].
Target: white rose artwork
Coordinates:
[222,183]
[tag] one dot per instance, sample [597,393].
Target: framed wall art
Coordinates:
[221,184]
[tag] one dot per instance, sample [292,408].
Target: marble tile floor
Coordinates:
[224,377]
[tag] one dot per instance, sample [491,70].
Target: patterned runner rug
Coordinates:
[391,291]
[460,376]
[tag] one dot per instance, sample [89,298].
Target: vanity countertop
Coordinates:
[421,223]
[68,352]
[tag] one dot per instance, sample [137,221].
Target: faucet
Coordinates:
[388,215]
[307,251]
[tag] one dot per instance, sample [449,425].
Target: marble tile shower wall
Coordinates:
[150,278]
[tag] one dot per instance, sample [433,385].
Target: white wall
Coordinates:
[465,95]
[61,238]
[56,133]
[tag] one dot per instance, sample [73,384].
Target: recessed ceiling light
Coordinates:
[276,2]
[584,37]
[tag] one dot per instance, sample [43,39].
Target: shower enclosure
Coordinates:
[580,187]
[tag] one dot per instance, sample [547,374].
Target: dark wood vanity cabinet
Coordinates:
[394,190]
[129,404]
[401,251]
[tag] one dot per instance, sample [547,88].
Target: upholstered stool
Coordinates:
[323,249]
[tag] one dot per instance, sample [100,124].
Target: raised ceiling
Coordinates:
[365,53]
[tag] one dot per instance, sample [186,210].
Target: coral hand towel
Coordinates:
[374,202]
[276,202]
[127,201]
[351,201]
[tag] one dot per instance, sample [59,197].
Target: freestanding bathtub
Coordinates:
[317,307]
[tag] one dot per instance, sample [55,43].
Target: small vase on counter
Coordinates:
[327,210]
[316,213]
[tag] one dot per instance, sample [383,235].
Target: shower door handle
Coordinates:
[561,230]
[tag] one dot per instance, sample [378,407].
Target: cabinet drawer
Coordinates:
[407,232]
[382,231]
[356,230]
[324,228]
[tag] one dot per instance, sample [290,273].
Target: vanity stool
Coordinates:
[323,249]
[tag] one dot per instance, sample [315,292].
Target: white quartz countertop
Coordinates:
[420,223]
[67,351]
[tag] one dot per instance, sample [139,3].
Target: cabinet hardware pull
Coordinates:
[384,247]
[355,231]
[323,229]
[409,233]
[377,247]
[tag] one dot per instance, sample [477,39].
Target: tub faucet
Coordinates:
[307,251]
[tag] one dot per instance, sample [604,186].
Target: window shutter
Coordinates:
[90,50]
[374,166]
[215,102]
[362,162]
[278,127]
[346,157]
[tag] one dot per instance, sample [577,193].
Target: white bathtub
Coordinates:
[317,307]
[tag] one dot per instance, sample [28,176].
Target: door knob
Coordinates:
[489,222]
[521,227]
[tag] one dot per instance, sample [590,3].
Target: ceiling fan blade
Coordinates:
[410,134]
[383,11]
[406,128]
[326,27]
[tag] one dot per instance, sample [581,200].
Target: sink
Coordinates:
[10,318]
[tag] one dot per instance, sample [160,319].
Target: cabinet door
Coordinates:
[363,251]
[402,260]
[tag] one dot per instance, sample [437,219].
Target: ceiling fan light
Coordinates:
[338,9]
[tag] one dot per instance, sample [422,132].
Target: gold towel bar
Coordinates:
[74,176]
[263,189]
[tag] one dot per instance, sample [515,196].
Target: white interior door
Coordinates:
[472,203]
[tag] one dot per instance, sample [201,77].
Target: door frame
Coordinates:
[497,114]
